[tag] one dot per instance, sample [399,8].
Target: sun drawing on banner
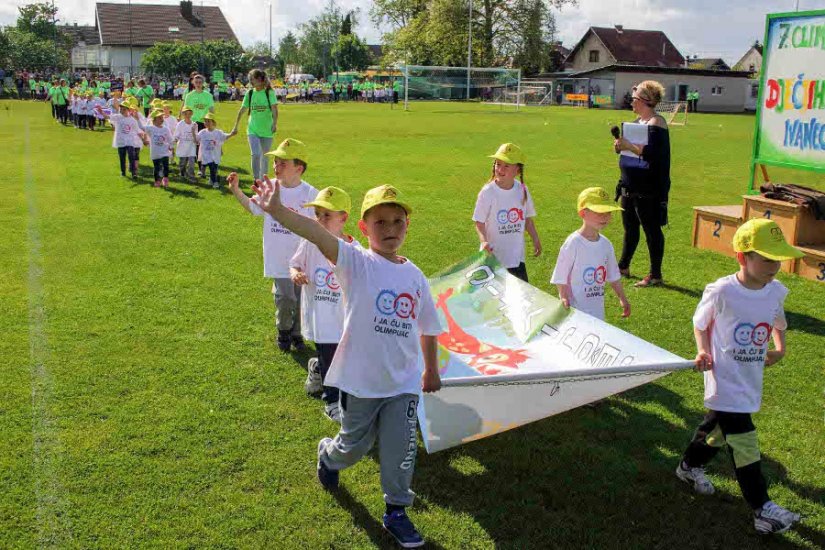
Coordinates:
[485,358]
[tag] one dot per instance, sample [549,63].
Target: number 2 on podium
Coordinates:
[821,276]
[717,226]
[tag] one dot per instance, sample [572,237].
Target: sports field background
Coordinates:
[143,402]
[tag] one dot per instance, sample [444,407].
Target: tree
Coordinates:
[176,58]
[259,48]
[39,19]
[350,53]
[25,50]
[288,49]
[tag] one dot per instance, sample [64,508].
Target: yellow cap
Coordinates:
[165,104]
[209,116]
[290,149]
[383,194]
[597,200]
[332,198]
[764,237]
[155,113]
[510,153]
[186,108]
[155,101]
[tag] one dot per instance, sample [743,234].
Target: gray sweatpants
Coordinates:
[393,420]
[288,305]
[187,167]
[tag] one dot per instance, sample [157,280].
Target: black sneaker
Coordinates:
[402,529]
[327,477]
[284,340]
[298,343]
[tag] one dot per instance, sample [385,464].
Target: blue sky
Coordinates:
[708,28]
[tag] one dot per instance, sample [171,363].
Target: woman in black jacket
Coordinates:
[645,184]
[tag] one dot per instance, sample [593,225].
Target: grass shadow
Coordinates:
[805,323]
[607,481]
[371,526]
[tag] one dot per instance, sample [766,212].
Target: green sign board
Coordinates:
[217,76]
[790,116]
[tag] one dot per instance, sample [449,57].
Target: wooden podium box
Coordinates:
[714,226]
[797,223]
[812,266]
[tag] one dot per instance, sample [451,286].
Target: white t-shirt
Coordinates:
[280,243]
[185,136]
[505,213]
[160,139]
[127,129]
[587,266]
[170,122]
[322,307]
[387,307]
[211,145]
[740,322]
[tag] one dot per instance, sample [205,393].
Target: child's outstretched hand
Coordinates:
[267,195]
[625,307]
[536,248]
[430,381]
[703,361]
[566,303]
[232,181]
[773,357]
[300,278]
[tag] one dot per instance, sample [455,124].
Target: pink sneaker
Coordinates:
[165,182]
[157,183]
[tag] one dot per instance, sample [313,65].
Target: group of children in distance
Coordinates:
[329,289]
[166,137]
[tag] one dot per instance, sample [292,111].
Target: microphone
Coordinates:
[616,134]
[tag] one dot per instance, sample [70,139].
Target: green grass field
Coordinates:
[144,404]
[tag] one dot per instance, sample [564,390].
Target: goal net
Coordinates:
[488,85]
[674,112]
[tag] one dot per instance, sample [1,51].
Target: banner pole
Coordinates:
[575,373]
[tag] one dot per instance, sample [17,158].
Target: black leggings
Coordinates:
[161,168]
[62,113]
[131,153]
[325,354]
[647,213]
[213,172]
[519,271]
[201,126]
[738,432]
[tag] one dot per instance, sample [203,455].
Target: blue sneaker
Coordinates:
[327,477]
[402,529]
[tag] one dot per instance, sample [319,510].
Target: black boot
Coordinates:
[284,340]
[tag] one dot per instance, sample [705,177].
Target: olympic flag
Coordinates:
[512,354]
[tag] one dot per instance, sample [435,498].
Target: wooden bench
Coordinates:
[714,226]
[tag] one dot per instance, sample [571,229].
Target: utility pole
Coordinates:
[131,57]
[270,30]
[469,43]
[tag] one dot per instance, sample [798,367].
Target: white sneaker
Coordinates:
[772,518]
[313,384]
[695,477]
[333,412]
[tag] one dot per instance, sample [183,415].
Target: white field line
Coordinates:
[53,528]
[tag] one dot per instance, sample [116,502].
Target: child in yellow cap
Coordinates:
[290,163]
[390,321]
[160,142]
[587,261]
[128,130]
[186,135]
[504,211]
[734,323]
[211,141]
[171,122]
[322,308]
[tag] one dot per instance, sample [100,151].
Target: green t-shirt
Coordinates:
[32,84]
[260,114]
[133,91]
[105,84]
[200,102]
[223,86]
[145,95]
[60,94]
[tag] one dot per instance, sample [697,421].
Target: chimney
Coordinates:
[186,9]
[619,29]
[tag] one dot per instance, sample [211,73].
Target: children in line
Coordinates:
[160,141]
[734,322]
[280,243]
[504,211]
[211,142]
[587,261]
[322,308]
[390,321]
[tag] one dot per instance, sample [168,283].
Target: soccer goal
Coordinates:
[674,112]
[488,85]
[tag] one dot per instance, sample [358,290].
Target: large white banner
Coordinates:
[512,354]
